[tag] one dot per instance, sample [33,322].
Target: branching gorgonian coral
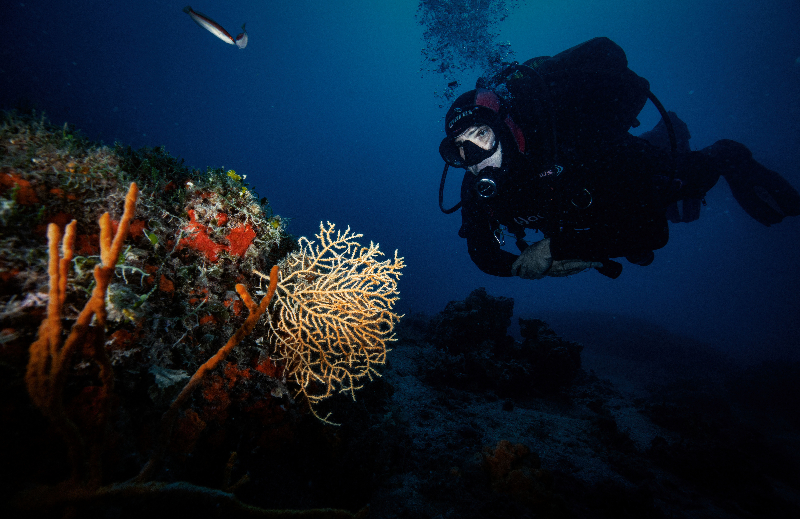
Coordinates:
[333,312]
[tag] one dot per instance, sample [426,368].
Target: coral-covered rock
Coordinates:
[170,304]
[195,235]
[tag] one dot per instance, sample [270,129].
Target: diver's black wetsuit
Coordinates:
[610,198]
[600,206]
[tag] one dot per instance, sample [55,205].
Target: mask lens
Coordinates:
[450,153]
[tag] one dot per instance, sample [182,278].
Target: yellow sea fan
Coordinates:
[333,314]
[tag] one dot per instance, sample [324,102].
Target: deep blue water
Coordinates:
[330,117]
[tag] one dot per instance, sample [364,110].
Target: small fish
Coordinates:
[216,29]
[241,39]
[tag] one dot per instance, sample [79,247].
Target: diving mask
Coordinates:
[473,154]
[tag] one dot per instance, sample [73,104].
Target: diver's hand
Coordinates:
[564,268]
[534,262]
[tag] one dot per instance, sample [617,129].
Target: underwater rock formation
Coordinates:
[478,322]
[487,434]
[554,362]
[476,351]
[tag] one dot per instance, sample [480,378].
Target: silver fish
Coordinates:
[216,29]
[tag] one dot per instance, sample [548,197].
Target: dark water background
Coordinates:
[330,117]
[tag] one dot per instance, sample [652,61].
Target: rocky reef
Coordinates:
[500,427]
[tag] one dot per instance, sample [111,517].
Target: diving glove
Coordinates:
[536,262]
[564,268]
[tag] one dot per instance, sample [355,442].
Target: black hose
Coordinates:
[673,141]
[441,194]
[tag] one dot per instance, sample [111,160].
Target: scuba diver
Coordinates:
[545,146]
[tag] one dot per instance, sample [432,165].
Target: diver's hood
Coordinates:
[477,107]
[474,108]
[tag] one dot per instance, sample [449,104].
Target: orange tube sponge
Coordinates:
[49,356]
